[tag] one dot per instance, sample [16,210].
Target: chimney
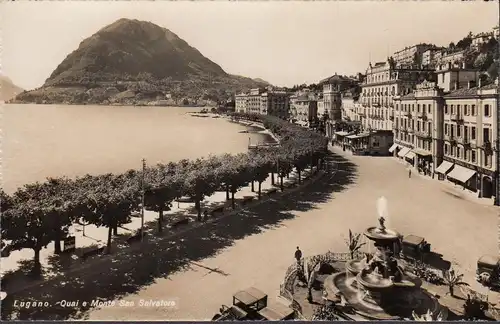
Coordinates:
[471,84]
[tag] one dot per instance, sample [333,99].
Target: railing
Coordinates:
[424,134]
[407,114]
[487,146]
[422,115]
[410,130]
[463,140]
[455,117]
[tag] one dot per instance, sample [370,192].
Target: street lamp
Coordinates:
[143,194]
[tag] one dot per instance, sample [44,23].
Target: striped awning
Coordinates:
[461,174]
[444,167]
[410,155]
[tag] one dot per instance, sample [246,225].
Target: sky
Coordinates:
[284,43]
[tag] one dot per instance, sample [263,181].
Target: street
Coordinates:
[459,229]
[191,276]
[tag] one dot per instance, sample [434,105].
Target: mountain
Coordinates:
[136,62]
[8,89]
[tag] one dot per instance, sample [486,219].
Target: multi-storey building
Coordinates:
[410,57]
[306,108]
[241,103]
[451,77]
[254,101]
[470,131]
[349,105]
[454,58]
[275,103]
[430,57]
[480,39]
[418,131]
[332,102]
[383,82]
[321,106]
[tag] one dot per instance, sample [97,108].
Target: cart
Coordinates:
[414,248]
[277,312]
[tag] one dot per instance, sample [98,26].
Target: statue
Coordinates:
[381,221]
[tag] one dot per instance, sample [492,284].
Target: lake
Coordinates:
[40,141]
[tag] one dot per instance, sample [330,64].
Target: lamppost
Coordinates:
[143,179]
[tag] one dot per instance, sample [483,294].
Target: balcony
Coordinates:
[410,130]
[404,129]
[456,118]
[422,115]
[424,134]
[407,114]
[450,139]
[391,117]
[464,140]
[487,146]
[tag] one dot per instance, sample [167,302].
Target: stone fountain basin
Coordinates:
[374,282]
[376,234]
[355,266]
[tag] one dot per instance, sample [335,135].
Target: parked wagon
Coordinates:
[414,248]
[488,271]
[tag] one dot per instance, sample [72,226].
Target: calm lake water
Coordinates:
[40,141]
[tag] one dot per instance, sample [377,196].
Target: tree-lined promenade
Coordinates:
[39,213]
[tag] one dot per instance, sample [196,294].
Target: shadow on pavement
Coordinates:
[125,274]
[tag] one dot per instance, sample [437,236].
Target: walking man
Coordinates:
[409,173]
[298,255]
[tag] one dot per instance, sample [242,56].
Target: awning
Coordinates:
[461,174]
[403,151]
[393,148]
[444,167]
[410,155]
[362,135]
[341,133]
[351,136]
[422,152]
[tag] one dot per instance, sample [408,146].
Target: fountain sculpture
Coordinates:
[377,287]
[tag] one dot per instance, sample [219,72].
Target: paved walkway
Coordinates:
[201,271]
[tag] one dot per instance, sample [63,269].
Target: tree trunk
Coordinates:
[232,198]
[281,184]
[288,175]
[115,230]
[197,205]
[227,192]
[260,189]
[298,172]
[309,295]
[253,188]
[160,221]
[37,266]
[272,178]
[110,232]
[452,291]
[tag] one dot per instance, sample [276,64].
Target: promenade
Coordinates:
[201,270]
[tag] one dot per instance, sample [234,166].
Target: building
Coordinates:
[418,127]
[254,101]
[410,57]
[430,57]
[332,101]
[455,58]
[306,108]
[349,105]
[480,39]
[321,106]
[451,77]
[275,103]
[496,32]
[241,102]
[383,82]
[470,133]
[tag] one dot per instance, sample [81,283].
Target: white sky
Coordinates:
[284,43]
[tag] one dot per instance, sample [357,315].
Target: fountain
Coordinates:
[376,286]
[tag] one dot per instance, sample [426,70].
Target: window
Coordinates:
[452,109]
[459,152]
[473,132]
[466,131]
[452,130]
[458,109]
[473,110]
[446,109]
[446,129]
[459,130]
[466,110]
[473,156]
[429,108]
[418,107]
[487,110]
[446,149]
[486,135]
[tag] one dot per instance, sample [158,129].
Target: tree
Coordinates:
[32,222]
[260,169]
[163,187]
[108,200]
[240,175]
[354,243]
[452,280]
[200,181]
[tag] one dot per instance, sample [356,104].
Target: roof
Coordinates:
[470,91]
[489,259]
[249,295]
[410,95]
[413,239]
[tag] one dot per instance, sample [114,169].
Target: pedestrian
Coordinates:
[298,255]
[409,173]
[205,215]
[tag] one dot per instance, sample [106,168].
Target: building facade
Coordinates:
[418,127]
[241,103]
[470,133]
[383,82]
[332,101]
[410,57]
[275,103]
